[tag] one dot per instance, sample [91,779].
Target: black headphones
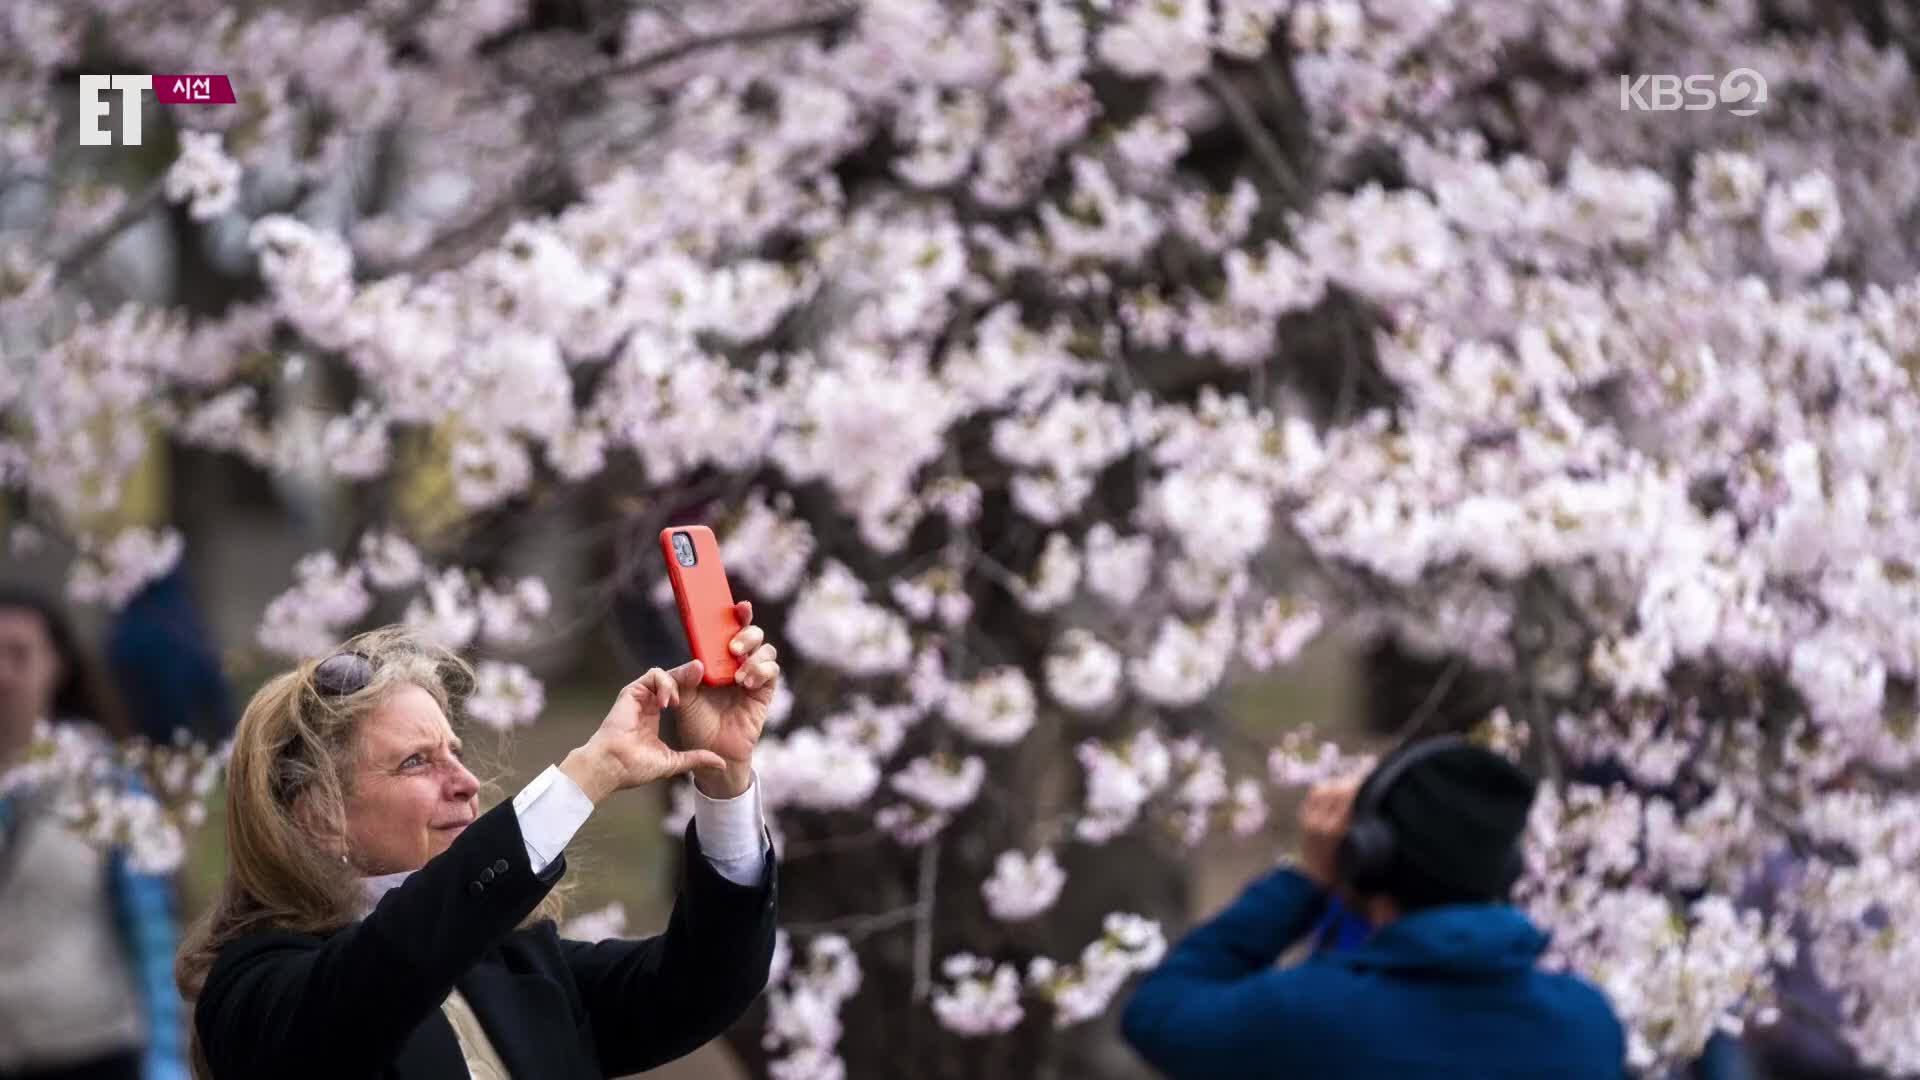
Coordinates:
[1367,851]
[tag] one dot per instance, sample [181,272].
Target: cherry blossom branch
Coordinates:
[1001,575]
[746,35]
[547,175]
[87,247]
[1802,841]
[539,180]
[1556,591]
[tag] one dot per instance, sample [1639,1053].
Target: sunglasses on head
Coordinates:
[342,673]
[338,675]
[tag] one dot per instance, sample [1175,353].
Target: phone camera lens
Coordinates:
[683,549]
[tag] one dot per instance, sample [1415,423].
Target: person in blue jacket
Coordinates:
[164,659]
[1446,984]
[1723,1058]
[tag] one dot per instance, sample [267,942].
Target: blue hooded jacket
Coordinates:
[1444,992]
[1723,1058]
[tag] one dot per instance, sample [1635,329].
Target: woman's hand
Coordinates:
[727,720]
[627,751]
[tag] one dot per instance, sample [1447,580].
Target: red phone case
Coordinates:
[706,602]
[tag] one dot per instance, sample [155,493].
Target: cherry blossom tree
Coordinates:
[1047,368]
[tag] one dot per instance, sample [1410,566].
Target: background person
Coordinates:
[165,661]
[86,942]
[1427,848]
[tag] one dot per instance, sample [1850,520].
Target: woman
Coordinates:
[86,943]
[374,922]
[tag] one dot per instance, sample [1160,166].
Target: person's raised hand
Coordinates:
[1324,815]
[728,719]
[627,751]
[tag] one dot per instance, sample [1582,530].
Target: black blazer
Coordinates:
[364,1001]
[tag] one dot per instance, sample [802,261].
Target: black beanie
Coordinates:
[1457,816]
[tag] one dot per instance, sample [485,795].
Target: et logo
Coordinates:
[171,90]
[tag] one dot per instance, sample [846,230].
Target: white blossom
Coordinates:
[448,610]
[203,176]
[127,563]
[505,695]
[600,924]
[1801,221]
[1021,886]
[978,998]
[1084,673]
[309,618]
[813,770]
[942,784]
[390,561]
[996,709]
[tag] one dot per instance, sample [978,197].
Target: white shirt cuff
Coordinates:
[733,834]
[551,809]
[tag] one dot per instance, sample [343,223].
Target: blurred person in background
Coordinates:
[166,666]
[1445,981]
[374,921]
[1724,1057]
[86,942]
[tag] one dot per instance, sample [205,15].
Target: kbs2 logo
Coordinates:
[170,89]
[1741,92]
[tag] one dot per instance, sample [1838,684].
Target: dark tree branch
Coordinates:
[1541,726]
[746,35]
[540,180]
[833,844]
[1432,701]
[855,927]
[1261,141]
[87,247]
[923,920]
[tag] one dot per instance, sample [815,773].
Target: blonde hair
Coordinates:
[288,778]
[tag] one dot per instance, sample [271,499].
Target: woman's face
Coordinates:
[411,794]
[29,673]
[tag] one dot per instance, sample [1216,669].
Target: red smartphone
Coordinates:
[706,600]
